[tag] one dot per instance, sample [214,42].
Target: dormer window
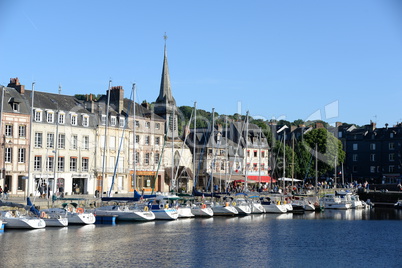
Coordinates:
[38,115]
[85,120]
[16,107]
[113,120]
[49,116]
[122,121]
[62,118]
[74,119]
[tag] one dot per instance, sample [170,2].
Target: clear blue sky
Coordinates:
[335,60]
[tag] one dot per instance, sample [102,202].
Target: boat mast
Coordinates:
[134,142]
[259,162]
[316,170]
[173,181]
[246,165]
[105,141]
[213,149]
[194,144]
[30,178]
[56,146]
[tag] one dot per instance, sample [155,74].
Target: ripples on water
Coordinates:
[353,238]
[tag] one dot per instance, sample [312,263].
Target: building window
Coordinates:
[9,130]
[354,157]
[355,146]
[50,140]
[49,163]
[86,143]
[73,163]
[137,123]
[60,164]
[112,142]
[372,157]
[122,121]
[391,157]
[262,154]
[255,154]
[21,155]
[8,155]
[157,125]
[157,156]
[22,131]
[113,120]
[62,118]
[372,146]
[16,107]
[391,146]
[391,169]
[372,169]
[391,135]
[38,163]
[137,139]
[354,168]
[73,119]
[248,153]
[61,142]
[157,140]
[137,157]
[103,119]
[85,120]
[85,164]
[146,160]
[38,115]
[38,140]
[147,124]
[49,116]
[146,140]
[74,142]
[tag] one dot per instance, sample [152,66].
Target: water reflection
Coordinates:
[266,240]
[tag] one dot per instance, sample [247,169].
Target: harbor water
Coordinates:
[352,238]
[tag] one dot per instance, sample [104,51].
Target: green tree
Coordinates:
[329,149]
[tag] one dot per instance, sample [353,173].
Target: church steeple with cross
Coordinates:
[165,104]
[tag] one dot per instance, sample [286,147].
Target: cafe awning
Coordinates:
[260,179]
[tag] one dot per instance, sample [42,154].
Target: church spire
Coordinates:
[165,92]
[165,104]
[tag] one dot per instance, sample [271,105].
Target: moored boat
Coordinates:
[225,209]
[126,213]
[202,210]
[15,220]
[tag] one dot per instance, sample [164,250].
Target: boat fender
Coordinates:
[167,206]
[279,202]
[234,203]
[145,209]
[227,204]
[79,210]
[204,206]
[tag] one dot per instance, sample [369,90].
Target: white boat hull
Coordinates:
[202,212]
[257,208]
[56,222]
[220,210]
[166,214]
[274,208]
[22,222]
[126,215]
[185,212]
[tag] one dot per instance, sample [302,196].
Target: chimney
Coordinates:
[117,97]
[15,83]
[319,125]
[338,124]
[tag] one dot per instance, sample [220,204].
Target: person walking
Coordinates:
[5,192]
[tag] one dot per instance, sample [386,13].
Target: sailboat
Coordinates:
[14,219]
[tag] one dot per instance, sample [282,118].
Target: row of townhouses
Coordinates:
[61,144]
